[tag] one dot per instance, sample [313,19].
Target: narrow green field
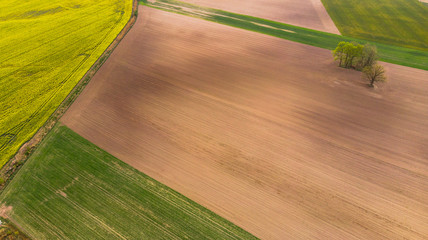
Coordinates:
[45,49]
[71,189]
[388,53]
[398,22]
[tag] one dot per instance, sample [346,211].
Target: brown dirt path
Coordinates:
[267,133]
[304,13]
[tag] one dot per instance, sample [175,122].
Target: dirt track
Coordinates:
[268,133]
[304,13]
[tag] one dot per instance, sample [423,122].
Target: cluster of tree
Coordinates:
[362,58]
[354,55]
[347,53]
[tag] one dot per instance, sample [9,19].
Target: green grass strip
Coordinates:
[71,189]
[387,53]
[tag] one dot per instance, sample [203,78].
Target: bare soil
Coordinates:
[5,211]
[268,133]
[304,13]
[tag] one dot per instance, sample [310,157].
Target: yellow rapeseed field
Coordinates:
[45,49]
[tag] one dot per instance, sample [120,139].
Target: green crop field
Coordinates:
[45,49]
[388,53]
[71,189]
[398,22]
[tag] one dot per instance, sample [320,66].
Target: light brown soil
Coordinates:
[5,211]
[265,132]
[304,13]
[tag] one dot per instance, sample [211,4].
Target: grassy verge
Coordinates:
[388,53]
[8,231]
[46,48]
[71,189]
[398,22]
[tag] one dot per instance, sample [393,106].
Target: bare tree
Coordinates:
[374,73]
[368,57]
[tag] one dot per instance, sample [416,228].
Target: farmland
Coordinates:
[303,13]
[197,129]
[398,22]
[388,53]
[268,133]
[46,47]
[71,189]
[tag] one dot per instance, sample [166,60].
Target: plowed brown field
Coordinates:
[304,13]
[267,133]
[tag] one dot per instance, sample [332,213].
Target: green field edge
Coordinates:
[387,53]
[55,146]
[12,166]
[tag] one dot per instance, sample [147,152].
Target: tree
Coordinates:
[338,53]
[374,73]
[354,51]
[368,56]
